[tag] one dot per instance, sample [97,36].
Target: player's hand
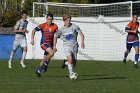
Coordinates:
[54,49]
[32,41]
[27,31]
[24,30]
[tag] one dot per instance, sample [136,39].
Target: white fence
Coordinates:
[104,38]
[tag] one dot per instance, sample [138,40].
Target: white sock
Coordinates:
[23,56]
[135,62]
[70,68]
[66,62]
[11,57]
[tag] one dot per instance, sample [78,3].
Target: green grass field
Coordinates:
[94,77]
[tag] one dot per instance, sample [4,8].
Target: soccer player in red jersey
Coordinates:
[132,39]
[47,29]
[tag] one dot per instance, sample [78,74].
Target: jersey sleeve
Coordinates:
[78,29]
[38,28]
[58,32]
[17,25]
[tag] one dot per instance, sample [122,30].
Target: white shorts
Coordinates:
[20,40]
[71,50]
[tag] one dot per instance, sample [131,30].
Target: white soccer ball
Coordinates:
[73,76]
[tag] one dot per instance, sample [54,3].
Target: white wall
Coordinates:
[101,41]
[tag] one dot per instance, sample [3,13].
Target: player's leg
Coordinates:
[10,59]
[23,57]
[68,53]
[71,67]
[128,49]
[70,64]
[40,68]
[15,46]
[136,47]
[46,58]
[23,44]
[74,55]
[74,60]
[65,63]
[74,51]
[46,61]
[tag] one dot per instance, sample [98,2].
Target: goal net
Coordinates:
[102,24]
[136,7]
[122,9]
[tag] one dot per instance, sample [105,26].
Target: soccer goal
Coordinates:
[102,24]
[122,9]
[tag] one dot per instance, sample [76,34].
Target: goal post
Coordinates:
[102,24]
[42,7]
[84,10]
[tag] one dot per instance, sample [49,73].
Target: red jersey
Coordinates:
[47,32]
[132,37]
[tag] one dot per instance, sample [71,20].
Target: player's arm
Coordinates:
[54,43]
[82,36]
[129,30]
[82,40]
[56,35]
[38,28]
[32,36]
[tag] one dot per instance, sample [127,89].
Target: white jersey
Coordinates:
[20,37]
[69,37]
[69,34]
[20,25]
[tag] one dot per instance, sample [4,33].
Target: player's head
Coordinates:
[67,19]
[24,15]
[135,18]
[49,18]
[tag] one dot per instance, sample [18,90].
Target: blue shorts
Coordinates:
[44,46]
[129,45]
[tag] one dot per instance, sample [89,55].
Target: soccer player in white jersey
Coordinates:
[20,39]
[68,34]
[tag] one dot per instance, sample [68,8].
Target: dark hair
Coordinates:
[24,12]
[135,14]
[50,15]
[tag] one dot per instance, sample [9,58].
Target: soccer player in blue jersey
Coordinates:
[20,39]
[132,39]
[68,34]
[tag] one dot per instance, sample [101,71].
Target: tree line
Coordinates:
[10,9]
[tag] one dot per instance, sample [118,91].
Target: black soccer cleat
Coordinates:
[124,61]
[63,65]
[135,66]
[38,74]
